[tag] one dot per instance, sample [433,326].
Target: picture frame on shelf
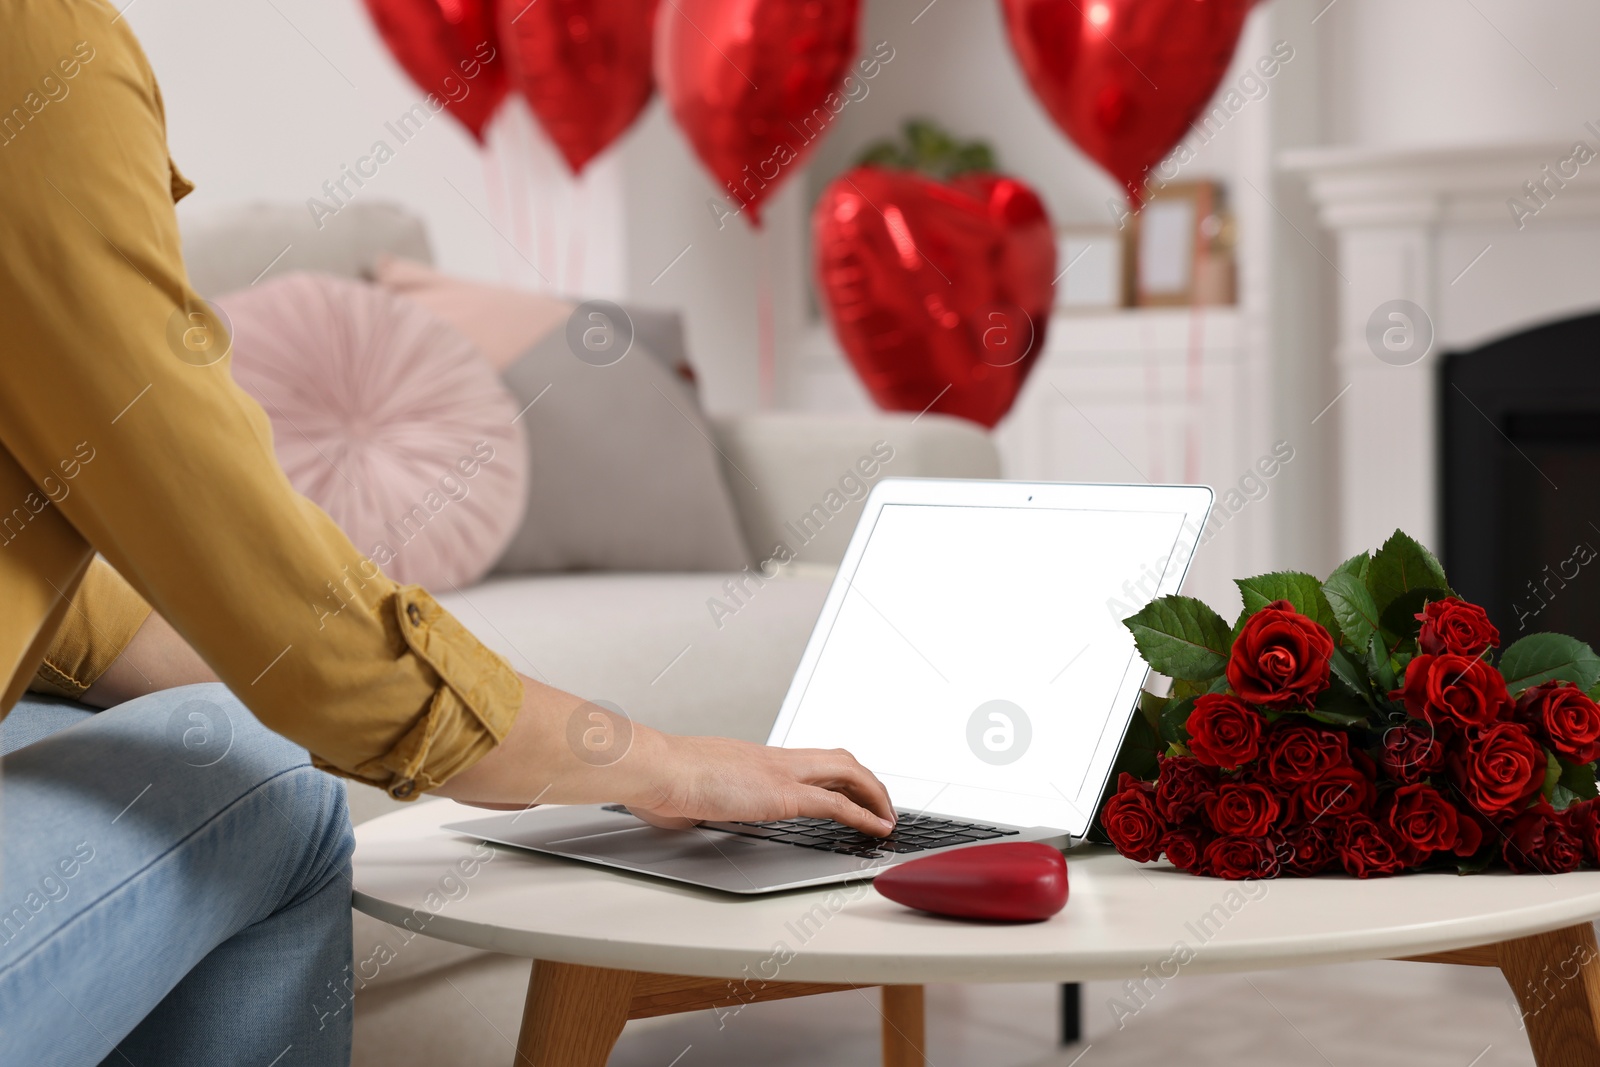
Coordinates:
[1183,247]
[1091,266]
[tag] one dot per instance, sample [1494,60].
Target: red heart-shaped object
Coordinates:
[583,66]
[754,84]
[1125,78]
[939,292]
[1014,880]
[448,48]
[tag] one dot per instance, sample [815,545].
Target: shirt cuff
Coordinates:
[104,616]
[471,712]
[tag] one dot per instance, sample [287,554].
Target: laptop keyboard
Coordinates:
[913,833]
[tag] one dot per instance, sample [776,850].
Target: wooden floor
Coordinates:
[1363,1015]
[1377,1014]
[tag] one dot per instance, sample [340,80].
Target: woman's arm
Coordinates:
[157,658]
[564,750]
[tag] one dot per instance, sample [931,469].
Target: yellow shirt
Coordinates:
[116,439]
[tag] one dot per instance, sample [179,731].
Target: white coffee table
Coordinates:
[610,947]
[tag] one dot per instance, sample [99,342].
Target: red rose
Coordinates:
[1412,751]
[1584,820]
[1132,822]
[1499,768]
[1280,658]
[1421,819]
[1563,717]
[1333,795]
[1453,626]
[1364,849]
[1224,731]
[1183,787]
[1296,752]
[1307,849]
[1457,690]
[1186,847]
[1542,840]
[1242,857]
[1243,809]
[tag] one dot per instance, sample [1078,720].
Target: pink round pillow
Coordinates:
[388,419]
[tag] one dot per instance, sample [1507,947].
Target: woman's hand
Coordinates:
[563,750]
[715,778]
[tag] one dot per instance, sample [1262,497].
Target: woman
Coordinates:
[176,884]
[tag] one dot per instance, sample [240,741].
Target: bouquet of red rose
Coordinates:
[1362,724]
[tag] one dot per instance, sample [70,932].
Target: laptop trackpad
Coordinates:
[726,861]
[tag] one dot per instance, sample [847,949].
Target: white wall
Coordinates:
[268,100]
[1415,72]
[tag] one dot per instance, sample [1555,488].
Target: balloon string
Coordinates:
[522,185]
[494,180]
[1195,370]
[767,337]
[577,233]
[544,217]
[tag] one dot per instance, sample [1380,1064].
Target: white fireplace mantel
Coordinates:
[1433,226]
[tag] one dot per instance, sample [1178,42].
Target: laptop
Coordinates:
[970,653]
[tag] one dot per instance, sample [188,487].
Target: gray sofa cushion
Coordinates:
[230,249]
[623,475]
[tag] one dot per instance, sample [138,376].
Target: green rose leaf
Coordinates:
[1351,602]
[1337,718]
[1400,618]
[1485,856]
[1151,706]
[1301,590]
[1140,746]
[1182,689]
[1401,565]
[1381,667]
[1579,778]
[1541,658]
[1175,722]
[1356,566]
[1338,708]
[1351,676]
[1181,637]
[1552,777]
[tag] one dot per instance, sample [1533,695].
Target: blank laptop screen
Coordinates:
[978,663]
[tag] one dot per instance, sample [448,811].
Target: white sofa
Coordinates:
[648,642]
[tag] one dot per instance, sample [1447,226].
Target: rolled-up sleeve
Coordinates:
[173,476]
[104,614]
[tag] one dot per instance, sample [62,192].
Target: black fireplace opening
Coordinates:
[1520,478]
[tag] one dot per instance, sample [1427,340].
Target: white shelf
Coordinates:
[1148,331]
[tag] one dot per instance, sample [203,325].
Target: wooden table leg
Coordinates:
[573,1015]
[1556,980]
[903,1031]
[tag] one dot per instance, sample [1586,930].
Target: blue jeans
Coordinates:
[175,888]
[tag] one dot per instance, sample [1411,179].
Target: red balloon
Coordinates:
[1020,881]
[938,292]
[1125,78]
[448,48]
[754,83]
[582,65]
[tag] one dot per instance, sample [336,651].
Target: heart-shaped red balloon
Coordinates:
[448,47]
[939,292]
[1125,78]
[754,84]
[1020,881]
[584,66]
